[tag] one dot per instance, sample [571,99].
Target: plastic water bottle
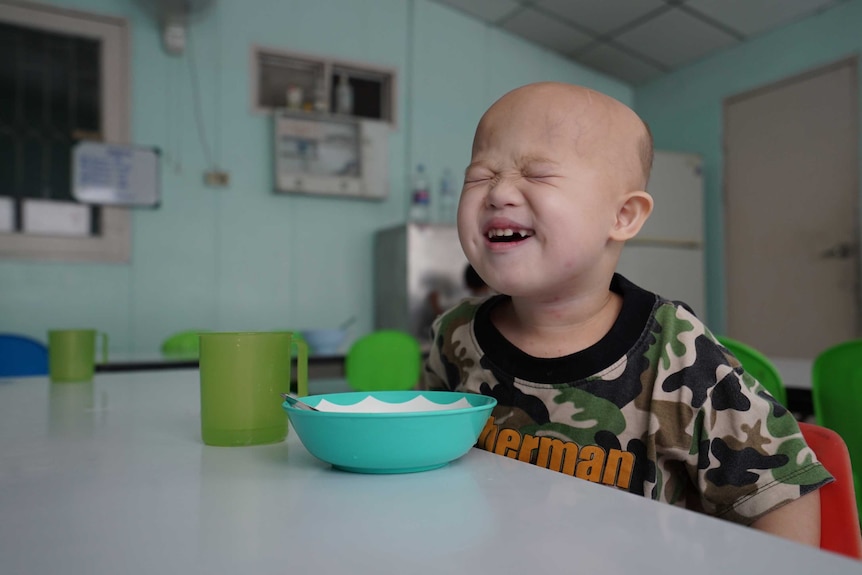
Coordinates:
[420,197]
[343,95]
[448,198]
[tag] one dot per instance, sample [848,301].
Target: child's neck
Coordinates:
[557,328]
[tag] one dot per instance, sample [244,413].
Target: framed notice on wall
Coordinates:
[114,174]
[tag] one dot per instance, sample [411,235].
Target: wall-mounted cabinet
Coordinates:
[330,155]
[307,83]
[331,122]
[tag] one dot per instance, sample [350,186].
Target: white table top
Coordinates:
[111,477]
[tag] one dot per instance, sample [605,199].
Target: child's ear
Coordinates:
[633,212]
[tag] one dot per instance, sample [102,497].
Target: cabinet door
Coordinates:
[676,185]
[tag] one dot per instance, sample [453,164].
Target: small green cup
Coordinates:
[72,354]
[242,378]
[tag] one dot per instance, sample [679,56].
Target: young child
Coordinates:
[594,376]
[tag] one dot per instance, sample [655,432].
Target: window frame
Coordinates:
[114,243]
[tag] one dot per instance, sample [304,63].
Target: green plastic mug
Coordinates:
[242,378]
[72,354]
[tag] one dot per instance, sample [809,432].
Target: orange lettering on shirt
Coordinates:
[619,468]
[488,435]
[557,455]
[590,463]
[508,441]
[529,444]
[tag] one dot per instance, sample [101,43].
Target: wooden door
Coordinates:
[791,213]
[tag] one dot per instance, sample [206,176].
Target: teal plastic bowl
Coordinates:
[428,437]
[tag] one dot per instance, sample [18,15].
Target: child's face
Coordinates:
[550,167]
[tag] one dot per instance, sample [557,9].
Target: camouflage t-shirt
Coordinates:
[657,407]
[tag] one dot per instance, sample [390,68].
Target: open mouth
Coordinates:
[508,235]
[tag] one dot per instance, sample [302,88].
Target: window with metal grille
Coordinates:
[49,98]
[64,77]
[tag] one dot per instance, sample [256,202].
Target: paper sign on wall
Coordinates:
[112,174]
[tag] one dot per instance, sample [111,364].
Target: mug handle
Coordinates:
[301,367]
[104,337]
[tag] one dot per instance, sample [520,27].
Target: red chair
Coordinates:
[839,519]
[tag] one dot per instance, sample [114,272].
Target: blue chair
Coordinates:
[21,355]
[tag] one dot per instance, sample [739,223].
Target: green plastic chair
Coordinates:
[757,365]
[384,360]
[836,388]
[186,344]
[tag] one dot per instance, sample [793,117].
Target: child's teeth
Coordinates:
[507,232]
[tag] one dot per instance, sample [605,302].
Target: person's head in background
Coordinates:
[474,282]
[555,187]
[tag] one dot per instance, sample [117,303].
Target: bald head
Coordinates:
[596,125]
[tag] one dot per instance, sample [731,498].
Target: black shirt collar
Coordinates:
[634,316]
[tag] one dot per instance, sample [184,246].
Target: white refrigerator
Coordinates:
[412,262]
[667,256]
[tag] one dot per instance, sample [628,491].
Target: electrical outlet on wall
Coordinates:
[216,178]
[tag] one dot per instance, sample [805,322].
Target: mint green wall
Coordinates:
[242,257]
[684,109]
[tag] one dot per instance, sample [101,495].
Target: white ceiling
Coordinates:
[638,40]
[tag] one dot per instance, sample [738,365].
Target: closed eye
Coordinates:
[540,170]
[473,178]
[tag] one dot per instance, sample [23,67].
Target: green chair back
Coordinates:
[384,360]
[836,389]
[186,344]
[759,366]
